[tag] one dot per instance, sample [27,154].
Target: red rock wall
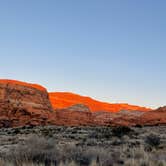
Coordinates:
[74,117]
[23,105]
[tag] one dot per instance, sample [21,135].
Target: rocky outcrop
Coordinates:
[28,104]
[155,117]
[79,107]
[78,114]
[23,104]
[122,118]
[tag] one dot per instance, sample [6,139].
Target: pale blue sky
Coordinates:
[112,50]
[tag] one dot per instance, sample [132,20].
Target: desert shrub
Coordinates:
[116,142]
[121,130]
[40,150]
[83,160]
[140,157]
[91,142]
[106,133]
[34,149]
[138,126]
[108,162]
[84,155]
[16,131]
[152,140]
[103,132]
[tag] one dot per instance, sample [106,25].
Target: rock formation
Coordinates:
[28,104]
[61,100]
[155,117]
[79,107]
[73,118]
[23,104]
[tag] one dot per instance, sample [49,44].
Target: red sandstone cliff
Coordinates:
[61,100]
[23,104]
[75,115]
[28,104]
[155,117]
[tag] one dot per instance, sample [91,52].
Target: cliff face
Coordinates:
[28,104]
[22,104]
[155,117]
[61,100]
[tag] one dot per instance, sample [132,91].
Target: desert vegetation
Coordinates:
[83,146]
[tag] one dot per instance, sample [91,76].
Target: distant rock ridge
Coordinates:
[155,117]
[61,100]
[161,109]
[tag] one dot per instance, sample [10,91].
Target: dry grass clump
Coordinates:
[39,150]
[35,149]
[140,157]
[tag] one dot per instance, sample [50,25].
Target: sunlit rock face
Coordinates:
[64,99]
[22,103]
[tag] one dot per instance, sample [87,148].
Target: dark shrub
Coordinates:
[103,132]
[83,160]
[121,130]
[138,126]
[107,133]
[16,131]
[108,162]
[152,140]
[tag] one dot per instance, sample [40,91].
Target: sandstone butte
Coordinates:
[30,104]
[23,104]
[61,100]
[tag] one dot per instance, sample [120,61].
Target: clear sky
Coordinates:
[112,50]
